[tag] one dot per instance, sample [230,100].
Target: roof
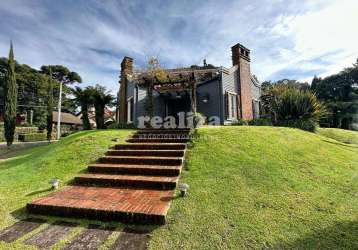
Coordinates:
[66,118]
[180,75]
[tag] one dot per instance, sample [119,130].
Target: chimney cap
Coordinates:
[239,45]
[127,58]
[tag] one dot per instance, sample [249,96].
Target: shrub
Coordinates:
[239,123]
[261,122]
[121,126]
[32,137]
[198,120]
[2,136]
[292,107]
[26,130]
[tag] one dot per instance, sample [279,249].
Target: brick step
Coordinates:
[142,160]
[140,206]
[162,131]
[156,140]
[151,146]
[134,169]
[130,152]
[162,136]
[151,132]
[132,181]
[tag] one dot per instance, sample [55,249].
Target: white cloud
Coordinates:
[317,33]
[284,35]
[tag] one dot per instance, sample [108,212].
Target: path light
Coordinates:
[54,183]
[183,187]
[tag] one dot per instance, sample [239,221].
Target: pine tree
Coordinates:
[316,80]
[10,99]
[49,106]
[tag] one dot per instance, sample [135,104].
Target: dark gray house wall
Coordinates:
[230,81]
[141,94]
[229,84]
[210,91]
[159,105]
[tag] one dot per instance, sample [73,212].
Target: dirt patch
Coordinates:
[19,229]
[90,238]
[50,235]
[131,239]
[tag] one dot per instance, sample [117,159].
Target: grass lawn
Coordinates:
[265,187]
[342,135]
[26,176]
[250,187]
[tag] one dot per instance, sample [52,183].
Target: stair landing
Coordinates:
[106,203]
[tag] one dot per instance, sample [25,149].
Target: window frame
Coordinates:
[232,109]
[130,105]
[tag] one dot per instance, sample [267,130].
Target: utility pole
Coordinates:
[59,113]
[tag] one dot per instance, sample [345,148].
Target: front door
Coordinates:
[177,105]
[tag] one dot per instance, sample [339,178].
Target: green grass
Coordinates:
[26,176]
[341,135]
[250,187]
[265,187]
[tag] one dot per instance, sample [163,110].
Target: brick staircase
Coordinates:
[132,183]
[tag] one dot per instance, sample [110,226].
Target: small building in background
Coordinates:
[69,123]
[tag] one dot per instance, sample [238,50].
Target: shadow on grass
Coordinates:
[342,144]
[342,235]
[39,191]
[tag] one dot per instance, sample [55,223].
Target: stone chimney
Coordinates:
[241,58]
[126,69]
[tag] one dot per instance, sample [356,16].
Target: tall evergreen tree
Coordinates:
[10,99]
[49,106]
[315,82]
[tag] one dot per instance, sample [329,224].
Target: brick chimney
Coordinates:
[241,58]
[126,69]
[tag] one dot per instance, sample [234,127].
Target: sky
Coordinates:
[288,38]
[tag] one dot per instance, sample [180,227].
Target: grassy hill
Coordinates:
[250,187]
[265,187]
[27,176]
[341,135]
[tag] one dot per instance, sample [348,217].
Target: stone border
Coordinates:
[23,145]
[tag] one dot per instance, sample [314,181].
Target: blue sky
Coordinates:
[288,38]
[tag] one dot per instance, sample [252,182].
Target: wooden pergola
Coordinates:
[174,81]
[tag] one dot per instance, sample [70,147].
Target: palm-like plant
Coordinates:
[101,98]
[83,99]
[290,106]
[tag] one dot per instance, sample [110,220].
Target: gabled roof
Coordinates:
[66,118]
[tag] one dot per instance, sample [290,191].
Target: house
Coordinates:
[66,119]
[227,93]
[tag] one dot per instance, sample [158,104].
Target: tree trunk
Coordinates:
[85,120]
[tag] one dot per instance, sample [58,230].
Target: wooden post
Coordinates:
[193,95]
[150,104]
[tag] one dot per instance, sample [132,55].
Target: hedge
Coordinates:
[33,137]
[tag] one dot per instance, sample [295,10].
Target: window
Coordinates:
[130,104]
[231,106]
[256,108]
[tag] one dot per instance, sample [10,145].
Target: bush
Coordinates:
[26,130]
[307,125]
[239,123]
[121,126]
[32,137]
[261,122]
[198,120]
[2,136]
[292,107]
